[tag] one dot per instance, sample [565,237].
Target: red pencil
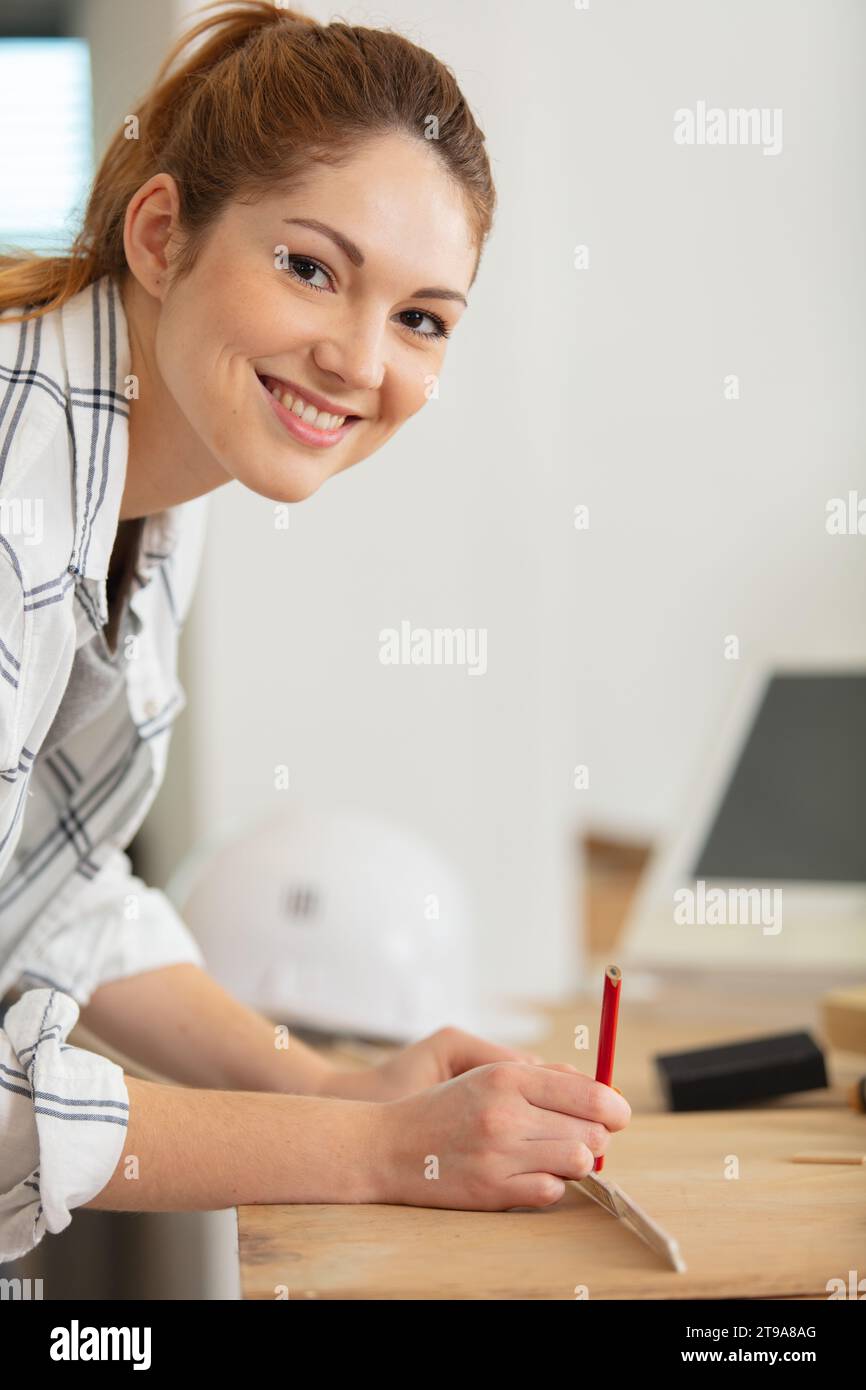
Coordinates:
[607,1034]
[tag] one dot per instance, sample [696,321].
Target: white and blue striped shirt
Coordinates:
[72,913]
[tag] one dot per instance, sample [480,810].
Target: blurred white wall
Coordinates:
[706,514]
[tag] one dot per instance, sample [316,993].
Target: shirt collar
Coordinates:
[98,368]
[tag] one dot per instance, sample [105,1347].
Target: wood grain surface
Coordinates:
[779,1230]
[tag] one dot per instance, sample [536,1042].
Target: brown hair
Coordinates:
[268,92]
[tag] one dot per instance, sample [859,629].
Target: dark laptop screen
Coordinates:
[795,807]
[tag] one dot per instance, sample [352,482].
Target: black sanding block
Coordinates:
[734,1074]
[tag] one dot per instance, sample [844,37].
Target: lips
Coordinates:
[304,430]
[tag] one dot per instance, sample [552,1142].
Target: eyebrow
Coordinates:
[356,256]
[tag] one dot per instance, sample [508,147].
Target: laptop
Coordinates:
[765,877]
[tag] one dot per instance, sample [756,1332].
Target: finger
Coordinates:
[560,1159]
[552,1124]
[536,1189]
[574,1094]
[566,1066]
[545,1154]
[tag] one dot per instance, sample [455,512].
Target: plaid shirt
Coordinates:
[72,913]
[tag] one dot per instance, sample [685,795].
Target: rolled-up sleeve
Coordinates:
[105,929]
[63,1120]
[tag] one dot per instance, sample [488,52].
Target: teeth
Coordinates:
[319,419]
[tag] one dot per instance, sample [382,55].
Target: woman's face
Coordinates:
[340,294]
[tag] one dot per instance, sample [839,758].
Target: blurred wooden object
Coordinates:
[844,1016]
[612,870]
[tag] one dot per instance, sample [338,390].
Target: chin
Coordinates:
[286,482]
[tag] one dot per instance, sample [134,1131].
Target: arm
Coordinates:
[74,1131]
[190,1150]
[503,1135]
[180,1023]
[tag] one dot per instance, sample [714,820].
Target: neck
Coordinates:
[166,463]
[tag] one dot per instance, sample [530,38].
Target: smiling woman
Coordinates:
[277,246]
[293,205]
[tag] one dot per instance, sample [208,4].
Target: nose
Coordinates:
[354,352]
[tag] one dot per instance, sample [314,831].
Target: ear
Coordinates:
[152,221]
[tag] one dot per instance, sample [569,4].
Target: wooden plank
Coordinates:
[779,1230]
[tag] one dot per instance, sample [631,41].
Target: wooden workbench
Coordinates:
[778,1230]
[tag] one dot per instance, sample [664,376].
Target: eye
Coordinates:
[440,328]
[299,266]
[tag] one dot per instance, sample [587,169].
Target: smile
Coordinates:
[302,418]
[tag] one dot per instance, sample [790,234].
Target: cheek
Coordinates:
[193,387]
[181,348]
[192,350]
[191,384]
[411,393]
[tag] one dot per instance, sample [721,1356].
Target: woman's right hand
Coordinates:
[503,1135]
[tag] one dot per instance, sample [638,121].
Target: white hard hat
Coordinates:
[340,922]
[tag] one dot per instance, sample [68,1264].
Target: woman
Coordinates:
[276,248]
